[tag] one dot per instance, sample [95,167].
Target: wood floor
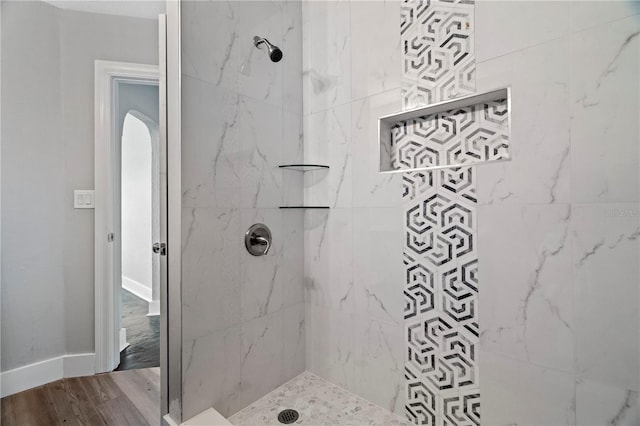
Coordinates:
[120,398]
[143,334]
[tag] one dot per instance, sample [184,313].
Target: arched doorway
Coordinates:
[140,227]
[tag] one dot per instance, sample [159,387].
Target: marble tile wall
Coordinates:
[243,316]
[559,224]
[353,252]
[554,223]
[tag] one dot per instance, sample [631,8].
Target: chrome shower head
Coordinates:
[274,51]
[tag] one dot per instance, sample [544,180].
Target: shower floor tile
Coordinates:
[318,402]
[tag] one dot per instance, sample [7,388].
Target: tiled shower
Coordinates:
[489,275]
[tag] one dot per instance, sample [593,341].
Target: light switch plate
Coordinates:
[84,199]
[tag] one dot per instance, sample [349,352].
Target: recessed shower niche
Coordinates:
[464,131]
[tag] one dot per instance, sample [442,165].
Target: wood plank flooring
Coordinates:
[143,334]
[120,398]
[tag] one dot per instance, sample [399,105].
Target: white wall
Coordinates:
[136,183]
[33,186]
[242,316]
[558,225]
[47,152]
[85,38]
[353,253]
[142,101]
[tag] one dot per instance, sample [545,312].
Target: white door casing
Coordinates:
[107,205]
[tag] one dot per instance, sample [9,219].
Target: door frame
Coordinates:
[171,59]
[108,75]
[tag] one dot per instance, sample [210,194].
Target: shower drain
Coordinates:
[288,416]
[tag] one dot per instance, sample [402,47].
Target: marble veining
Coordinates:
[541,162]
[560,228]
[239,123]
[603,94]
[318,402]
[536,240]
[353,252]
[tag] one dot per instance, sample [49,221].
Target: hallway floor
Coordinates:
[120,398]
[318,402]
[143,334]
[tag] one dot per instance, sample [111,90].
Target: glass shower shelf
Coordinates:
[304,167]
[305,207]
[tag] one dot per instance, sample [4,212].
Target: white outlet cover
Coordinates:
[84,199]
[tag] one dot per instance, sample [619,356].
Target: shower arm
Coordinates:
[257,41]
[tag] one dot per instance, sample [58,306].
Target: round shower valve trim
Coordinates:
[257,239]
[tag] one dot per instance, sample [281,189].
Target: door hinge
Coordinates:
[160,248]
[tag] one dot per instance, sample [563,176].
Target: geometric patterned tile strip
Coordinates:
[440,255]
[438,52]
[469,135]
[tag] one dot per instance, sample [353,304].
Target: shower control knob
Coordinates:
[257,239]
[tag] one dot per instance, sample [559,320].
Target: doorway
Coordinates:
[129,216]
[137,115]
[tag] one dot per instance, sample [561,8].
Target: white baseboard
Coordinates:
[139,289]
[47,371]
[30,376]
[76,365]
[123,339]
[154,308]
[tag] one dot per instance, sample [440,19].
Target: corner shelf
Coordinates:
[303,167]
[464,131]
[305,207]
